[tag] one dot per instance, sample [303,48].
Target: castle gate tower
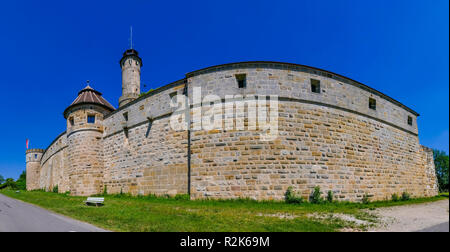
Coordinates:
[84,138]
[33,166]
[131,76]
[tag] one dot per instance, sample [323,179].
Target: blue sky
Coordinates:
[49,50]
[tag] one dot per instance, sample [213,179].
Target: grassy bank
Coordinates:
[125,213]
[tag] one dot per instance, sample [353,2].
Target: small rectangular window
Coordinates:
[315,86]
[35,156]
[241,80]
[409,120]
[125,116]
[71,121]
[372,103]
[91,119]
[172,94]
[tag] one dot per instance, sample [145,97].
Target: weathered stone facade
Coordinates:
[330,139]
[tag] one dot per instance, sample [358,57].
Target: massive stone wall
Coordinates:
[143,154]
[348,154]
[331,139]
[54,166]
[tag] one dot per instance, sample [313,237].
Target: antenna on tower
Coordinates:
[131,37]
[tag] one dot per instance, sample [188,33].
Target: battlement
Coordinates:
[34,151]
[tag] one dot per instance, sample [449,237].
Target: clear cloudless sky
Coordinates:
[49,50]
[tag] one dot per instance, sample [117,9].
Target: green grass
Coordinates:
[126,213]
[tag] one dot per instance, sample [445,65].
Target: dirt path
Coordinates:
[412,218]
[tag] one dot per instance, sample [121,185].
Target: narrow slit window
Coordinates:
[91,119]
[372,103]
[71,121]
[35,156]
[241,80]
[315,86]
[125,116]
[410,120]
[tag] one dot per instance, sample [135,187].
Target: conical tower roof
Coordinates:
[88,95]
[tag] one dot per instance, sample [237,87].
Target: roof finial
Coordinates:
[87,82]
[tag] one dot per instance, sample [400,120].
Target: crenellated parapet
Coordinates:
[34,151]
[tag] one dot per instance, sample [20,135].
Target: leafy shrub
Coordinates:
[394,197]
[366,199]
[291,197]
[405,196]
[55,189]
[315,196]
[330,196]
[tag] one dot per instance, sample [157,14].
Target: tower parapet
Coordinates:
[131,76]
[33,167]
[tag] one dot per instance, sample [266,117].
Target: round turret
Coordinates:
[33,167]
[84,137]
[131,76]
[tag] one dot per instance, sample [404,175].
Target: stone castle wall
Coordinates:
[54,166]
[143,155]
[330,139]
[339,151]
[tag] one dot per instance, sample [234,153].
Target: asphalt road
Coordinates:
[443,227]
[17,216]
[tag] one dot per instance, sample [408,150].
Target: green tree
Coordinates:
[21,182]
[2,179]
[10,183]
[441,164]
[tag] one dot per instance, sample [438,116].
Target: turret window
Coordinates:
[91,119]
[71,121]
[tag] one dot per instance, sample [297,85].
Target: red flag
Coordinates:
[28,141]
